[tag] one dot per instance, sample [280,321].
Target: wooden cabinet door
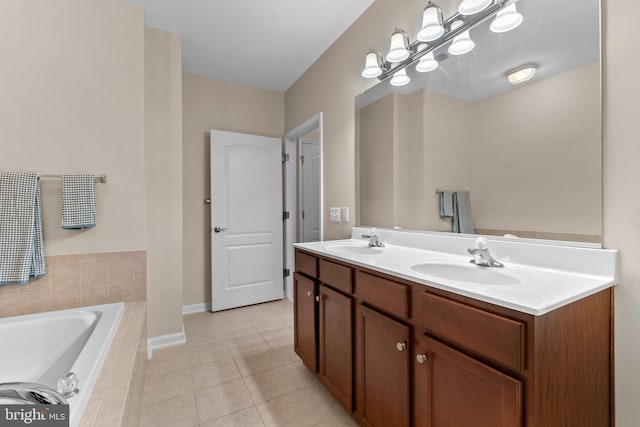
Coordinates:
[336,345]
[305,326]
[383,377]
[452,390]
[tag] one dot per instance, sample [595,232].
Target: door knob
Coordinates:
[421,358]
[218,229]
[401,346]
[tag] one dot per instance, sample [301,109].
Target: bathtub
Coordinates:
[42,347]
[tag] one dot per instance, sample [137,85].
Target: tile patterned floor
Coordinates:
[238,368]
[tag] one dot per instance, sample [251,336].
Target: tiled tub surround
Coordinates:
[79,281]
[551,274]
[117,394]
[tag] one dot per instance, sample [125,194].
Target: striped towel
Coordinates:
[21,245]
[78,201]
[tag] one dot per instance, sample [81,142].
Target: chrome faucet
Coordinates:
[31,393]
[481,255]
[374,241]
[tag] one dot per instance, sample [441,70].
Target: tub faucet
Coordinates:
[31,393]
[481,255]
[374,241]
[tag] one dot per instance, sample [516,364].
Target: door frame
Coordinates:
[300,181]
[290,177]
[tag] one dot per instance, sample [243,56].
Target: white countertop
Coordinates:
[536,288]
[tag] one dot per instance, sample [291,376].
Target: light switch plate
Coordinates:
[345,214]
[334,214]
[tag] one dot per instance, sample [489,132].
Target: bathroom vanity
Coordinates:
[405,335]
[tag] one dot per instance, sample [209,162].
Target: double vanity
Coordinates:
[413,334]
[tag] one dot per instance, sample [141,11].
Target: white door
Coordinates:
[246,219]
[310,190]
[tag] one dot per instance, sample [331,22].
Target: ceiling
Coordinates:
[266,44]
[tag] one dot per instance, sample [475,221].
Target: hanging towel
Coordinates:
[78,201]
[446,204]
[21,245]
[462,222]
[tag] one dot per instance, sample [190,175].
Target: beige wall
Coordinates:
[214,104]
[73,101]
[163,123]
[331,84]
[528,176]
[621,196]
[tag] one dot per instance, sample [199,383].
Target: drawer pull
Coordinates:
[400,346]
[309,293]
[421,358]
[317,298]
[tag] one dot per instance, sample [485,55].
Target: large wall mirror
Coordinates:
[529,153]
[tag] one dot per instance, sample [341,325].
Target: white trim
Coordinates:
[196,308]
[165,341]
[290,145]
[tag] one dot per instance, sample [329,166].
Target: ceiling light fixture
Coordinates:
[521,74]
[506,20]
[436,32]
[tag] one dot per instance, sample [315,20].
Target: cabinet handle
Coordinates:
[400,346]
[309,293]
[317,298]
[421,358]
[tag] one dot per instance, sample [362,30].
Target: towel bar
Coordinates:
[99,178]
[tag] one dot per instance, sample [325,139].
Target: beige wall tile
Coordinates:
[65,275]
[94,274]
[121,293]
[35,302]
[9,304]
[41,284]
[116,257]
[58,260]
[120,272]
[65,298]
[94,295]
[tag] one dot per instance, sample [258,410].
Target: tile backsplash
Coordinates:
[79,281]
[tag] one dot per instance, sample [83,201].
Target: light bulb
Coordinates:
[461,43]
[372,66]
[399,50]
[522,74]
[506,19]
[400,78]
[432,27]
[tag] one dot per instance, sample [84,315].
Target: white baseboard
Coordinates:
[165,341]
[196,308]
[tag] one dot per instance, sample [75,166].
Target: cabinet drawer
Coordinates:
[387,295]
[337,276]
[498,338]
[307,264]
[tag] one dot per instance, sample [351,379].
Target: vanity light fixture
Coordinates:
[521,74]
[373,65]
[432,27]
[462,43]
[506,20]
[400,78]
[428,62]
[399,50]
[436,32]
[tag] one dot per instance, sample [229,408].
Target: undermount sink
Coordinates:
[352,249]
[470,273]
